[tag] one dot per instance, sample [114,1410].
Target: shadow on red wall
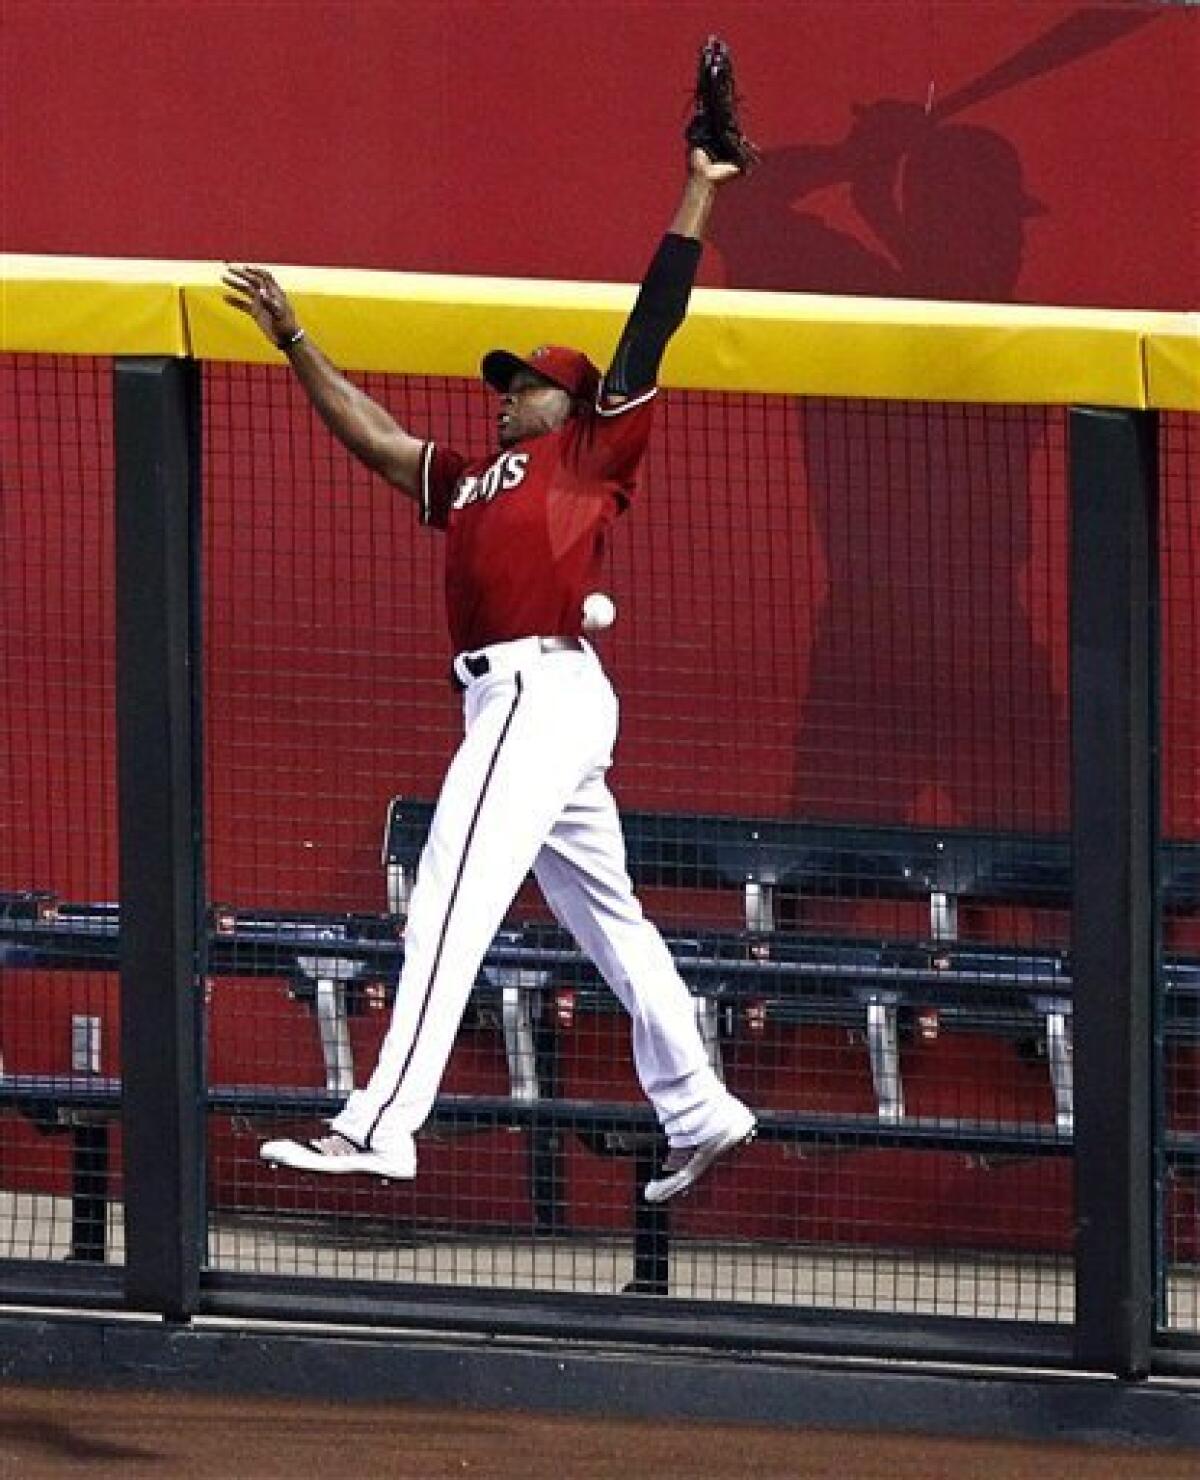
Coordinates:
[939,209]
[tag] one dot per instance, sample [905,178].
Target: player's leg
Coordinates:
[529,739]
[581,870]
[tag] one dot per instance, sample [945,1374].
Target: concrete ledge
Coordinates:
[560,1377]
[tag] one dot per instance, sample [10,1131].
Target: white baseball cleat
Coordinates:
[335,1154]
[685,1165]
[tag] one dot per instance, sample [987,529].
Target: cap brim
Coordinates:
[499,366]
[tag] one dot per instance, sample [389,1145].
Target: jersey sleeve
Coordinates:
[440,471]
[608,444]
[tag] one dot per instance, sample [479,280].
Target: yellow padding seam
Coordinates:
[93,305]
[1173,364]
[785,343]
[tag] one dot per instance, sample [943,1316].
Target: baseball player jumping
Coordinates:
[525,534]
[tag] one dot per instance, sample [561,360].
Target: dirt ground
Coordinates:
[51,1433]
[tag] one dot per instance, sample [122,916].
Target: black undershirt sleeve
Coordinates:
[660,309]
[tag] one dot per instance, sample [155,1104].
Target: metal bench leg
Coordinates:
[547,1140]
[90,1151]
[334,1030]
[943,916]
[651,1226]
[1061,1057]
[760,907]
[883,1043]
[399,889]
[708,1022]
[90,1160]
[532,1059]
[520,1047]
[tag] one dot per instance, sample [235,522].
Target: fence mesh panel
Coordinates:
[842,654]
[59,1164]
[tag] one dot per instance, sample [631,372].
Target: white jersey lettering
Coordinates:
[508,471]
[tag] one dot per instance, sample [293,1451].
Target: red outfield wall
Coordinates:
[539,139]
[814,596]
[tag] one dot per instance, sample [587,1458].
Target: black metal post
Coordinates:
[1113,456]
[157,454]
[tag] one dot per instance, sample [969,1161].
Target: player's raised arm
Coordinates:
[360,424]
[718,151]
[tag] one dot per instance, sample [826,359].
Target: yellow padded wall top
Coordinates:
[787,343]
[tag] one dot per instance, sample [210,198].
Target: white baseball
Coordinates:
[599,612]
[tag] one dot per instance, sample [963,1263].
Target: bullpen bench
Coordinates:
[533,971]
[866,983]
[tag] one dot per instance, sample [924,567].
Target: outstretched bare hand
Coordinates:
[714,171]
[256,293]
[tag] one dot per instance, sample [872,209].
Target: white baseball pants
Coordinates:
[526,790]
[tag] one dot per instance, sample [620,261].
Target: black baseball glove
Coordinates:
[715,126]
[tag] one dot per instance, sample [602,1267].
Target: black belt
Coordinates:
[478,666]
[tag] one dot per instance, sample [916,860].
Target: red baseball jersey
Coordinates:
[526,527]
